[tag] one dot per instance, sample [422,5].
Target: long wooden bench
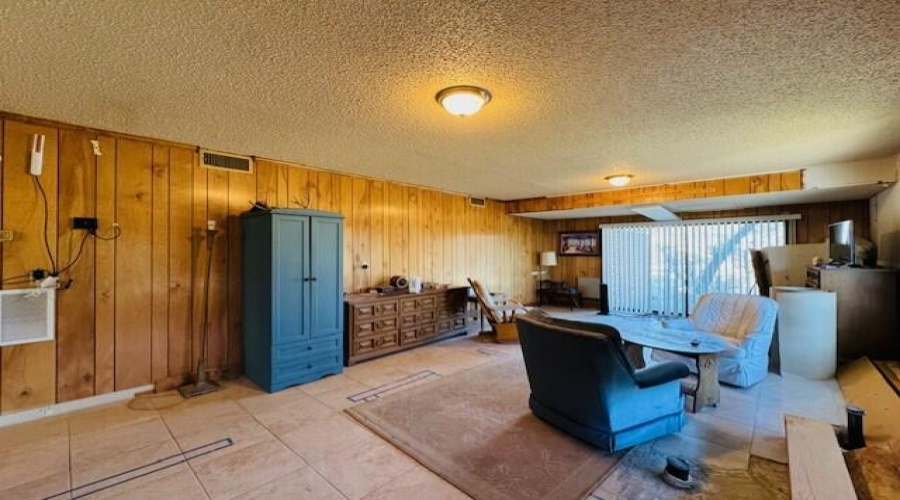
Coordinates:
[815,461]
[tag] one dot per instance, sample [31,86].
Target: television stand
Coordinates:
[867,315]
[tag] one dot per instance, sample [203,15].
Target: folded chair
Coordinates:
[500,313]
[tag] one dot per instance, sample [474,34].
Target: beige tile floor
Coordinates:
[297,444]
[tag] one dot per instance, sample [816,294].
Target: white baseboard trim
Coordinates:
[70,406]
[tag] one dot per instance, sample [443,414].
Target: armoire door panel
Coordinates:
[291,250]
[325,268]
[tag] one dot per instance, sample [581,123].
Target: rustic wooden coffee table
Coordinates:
[703,348]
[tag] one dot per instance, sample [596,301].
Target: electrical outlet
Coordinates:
[5,235]
[86,223]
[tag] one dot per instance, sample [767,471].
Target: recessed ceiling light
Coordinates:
[463,100]
[619,180]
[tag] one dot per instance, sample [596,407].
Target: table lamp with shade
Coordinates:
[548,259]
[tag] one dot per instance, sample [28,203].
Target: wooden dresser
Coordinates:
[377,325]
[867,316]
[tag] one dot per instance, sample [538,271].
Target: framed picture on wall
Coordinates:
[579,244]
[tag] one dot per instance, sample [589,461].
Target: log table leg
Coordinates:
[707,393]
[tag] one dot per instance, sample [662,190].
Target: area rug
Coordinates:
[476,431]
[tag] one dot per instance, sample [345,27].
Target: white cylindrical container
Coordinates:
[807,331]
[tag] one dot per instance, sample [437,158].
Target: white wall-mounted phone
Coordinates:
[37,154]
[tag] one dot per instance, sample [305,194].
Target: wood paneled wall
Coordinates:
[131,315]
[811,228]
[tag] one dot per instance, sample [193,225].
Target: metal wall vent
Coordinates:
[477,202]
[233,163]
[27,315]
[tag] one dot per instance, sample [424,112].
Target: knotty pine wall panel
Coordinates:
[132,315]
[28,372]
[75,331]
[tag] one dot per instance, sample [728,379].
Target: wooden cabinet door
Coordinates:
[325,318]
[290,240]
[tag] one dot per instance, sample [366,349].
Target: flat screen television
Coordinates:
[841,244]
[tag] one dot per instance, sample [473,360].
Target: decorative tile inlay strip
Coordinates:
[384,390]
[86,490]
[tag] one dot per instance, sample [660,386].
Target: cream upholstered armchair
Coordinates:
[501,313]
[746,322]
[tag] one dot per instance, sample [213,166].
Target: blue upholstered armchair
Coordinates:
[582,383]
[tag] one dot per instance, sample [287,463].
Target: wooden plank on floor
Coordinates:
[75,304]
[29,370]
[134,251]
[816,466]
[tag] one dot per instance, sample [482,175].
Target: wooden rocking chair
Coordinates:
[500,315]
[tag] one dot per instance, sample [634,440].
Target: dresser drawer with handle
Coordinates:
[368,328]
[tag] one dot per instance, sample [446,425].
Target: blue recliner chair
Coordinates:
[582,383]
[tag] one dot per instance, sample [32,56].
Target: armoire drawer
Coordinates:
[286,373]
[306,349]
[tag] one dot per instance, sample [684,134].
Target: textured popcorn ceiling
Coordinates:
[668,91]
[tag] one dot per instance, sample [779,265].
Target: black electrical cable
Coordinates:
[77,255]
[40,187]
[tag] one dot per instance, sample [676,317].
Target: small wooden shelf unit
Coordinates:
[376,325]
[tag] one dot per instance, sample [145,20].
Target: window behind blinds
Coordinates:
[663,268]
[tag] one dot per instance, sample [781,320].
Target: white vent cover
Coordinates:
[225,161]
[27,315]
[477,202]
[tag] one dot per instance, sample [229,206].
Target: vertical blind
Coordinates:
[663,268]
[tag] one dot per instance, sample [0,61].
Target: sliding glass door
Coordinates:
[663,268]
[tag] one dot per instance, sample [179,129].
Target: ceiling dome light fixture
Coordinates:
[619,180]
[463,100]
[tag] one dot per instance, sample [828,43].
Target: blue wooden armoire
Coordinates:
[292,296]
